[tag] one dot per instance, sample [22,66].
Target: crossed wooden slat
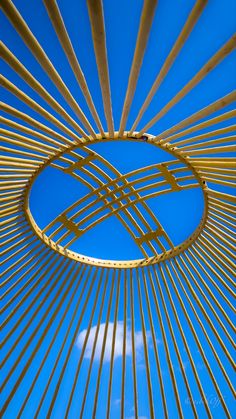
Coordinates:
[179,298]
[116,195]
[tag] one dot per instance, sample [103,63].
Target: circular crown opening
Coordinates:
[90,198]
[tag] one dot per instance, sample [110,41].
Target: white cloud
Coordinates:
[185,366]
[140,417]
[118,342]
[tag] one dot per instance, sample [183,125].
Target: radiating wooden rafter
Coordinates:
[181,295]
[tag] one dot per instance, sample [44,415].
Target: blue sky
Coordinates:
[53,191]
[200,46]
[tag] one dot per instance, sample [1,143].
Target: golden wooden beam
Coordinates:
[227,48]
[62,34]
[184,34]
[24,31]
[96,16]
[145,25]
[181,294]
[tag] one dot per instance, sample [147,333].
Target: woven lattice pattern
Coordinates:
[87,337]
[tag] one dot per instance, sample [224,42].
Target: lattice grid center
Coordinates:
[95,338]
[114,193]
